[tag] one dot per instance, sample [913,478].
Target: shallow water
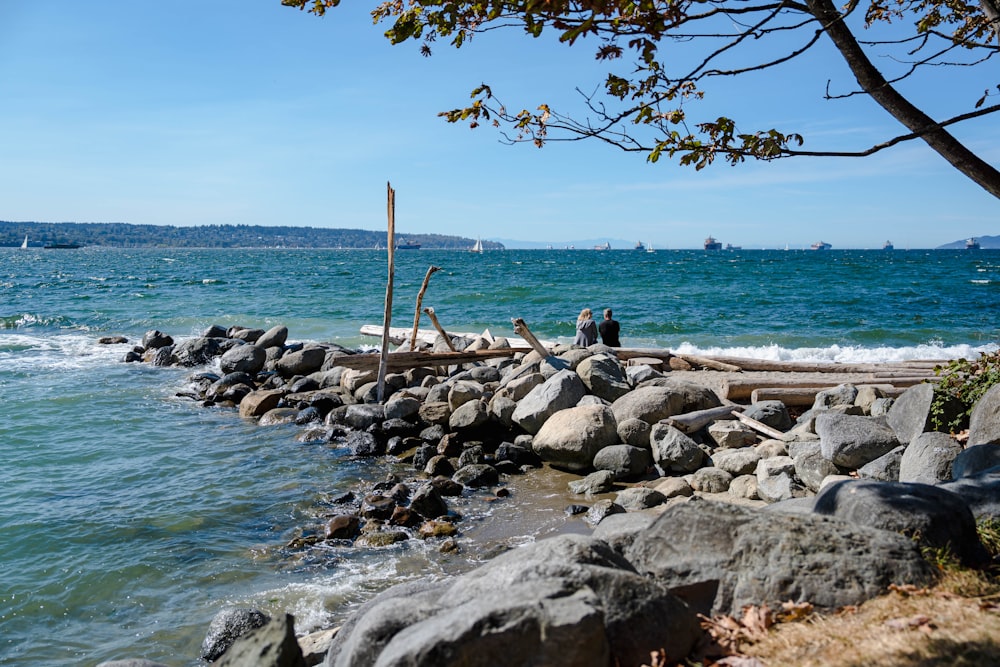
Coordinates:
[129,517]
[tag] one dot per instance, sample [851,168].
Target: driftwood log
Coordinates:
[420,299]
[440,329]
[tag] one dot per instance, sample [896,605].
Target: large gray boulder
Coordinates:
[910,415]
[720,557]
[243,359]
[929,514]
[604,377]
[850,441]
[776,480]
[928,458]
[625,461]
[974,460]
[196,351]
[984,422]
[566,601]
[562,390]
[571,438]
[301,362]
[981,492]
[771,413]
[811,466]
[673,397]
[273,337]
[736,462]
[673,450]
[885,468]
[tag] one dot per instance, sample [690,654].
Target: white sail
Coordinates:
[478,247]
[24,244]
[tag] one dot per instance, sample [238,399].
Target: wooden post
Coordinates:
[440,329]
[521,329]
[387,319]
[416,311]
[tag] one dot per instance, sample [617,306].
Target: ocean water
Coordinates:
[129,516]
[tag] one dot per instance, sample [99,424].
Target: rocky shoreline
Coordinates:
[717,504]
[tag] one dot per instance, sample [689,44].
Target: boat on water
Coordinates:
[24,244]
[972,244]
[649,247]
[639,245]
[712,244]
[477,247]
[406,245]
[604,246]
[730,246]
[820,245]
[888,246]
[61,246]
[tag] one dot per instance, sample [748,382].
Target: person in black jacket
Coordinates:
[609,330]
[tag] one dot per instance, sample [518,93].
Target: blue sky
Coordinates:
[236,112]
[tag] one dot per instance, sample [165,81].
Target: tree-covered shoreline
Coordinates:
[126,235]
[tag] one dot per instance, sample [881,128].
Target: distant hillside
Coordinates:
[124,235]
[985,242]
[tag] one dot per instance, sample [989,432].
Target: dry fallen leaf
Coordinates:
[920,622]
[794,611]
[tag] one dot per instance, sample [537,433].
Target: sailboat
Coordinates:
[24,244]
[478,247]
[649,247]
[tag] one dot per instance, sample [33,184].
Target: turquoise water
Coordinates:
[128,516]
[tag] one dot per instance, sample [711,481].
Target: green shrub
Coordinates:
[965,382]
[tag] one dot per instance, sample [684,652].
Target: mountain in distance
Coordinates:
[578,244]
[985,242]
[125,235]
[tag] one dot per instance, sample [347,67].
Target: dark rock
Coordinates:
[362,443]
[930,514]
[981,492]
[343,527]
[720,557]
[196,351]
[376,506]
[565,601]
[427,502]
[440,465]
[519,455]
[446,486]
[573,510]
[477,475]
[273,645]
[228,626]
[153,339]
[112,340]
[975,459]
[771,413]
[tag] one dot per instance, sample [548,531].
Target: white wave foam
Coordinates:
[26,353]
[843,354]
